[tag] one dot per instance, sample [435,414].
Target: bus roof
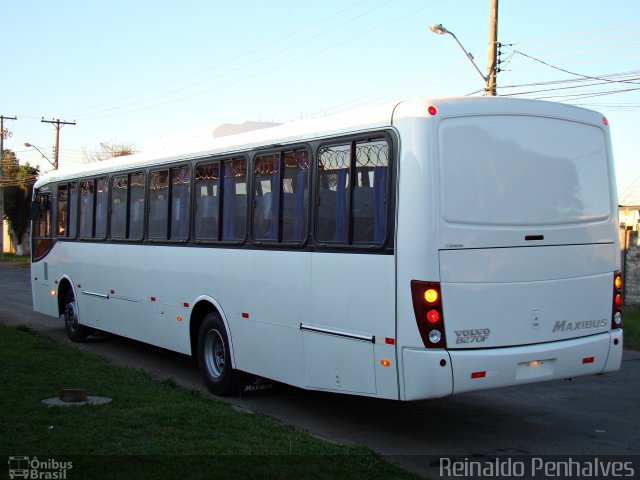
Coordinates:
[253,135]
[183,147]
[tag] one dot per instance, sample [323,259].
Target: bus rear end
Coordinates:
[522,284]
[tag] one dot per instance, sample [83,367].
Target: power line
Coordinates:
[240,67]
[90,116]
[518,52]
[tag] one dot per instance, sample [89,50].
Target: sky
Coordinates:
[131,72]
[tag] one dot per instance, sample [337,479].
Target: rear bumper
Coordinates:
[501,367]
[425,376]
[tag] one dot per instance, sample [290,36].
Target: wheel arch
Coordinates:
[64,285]
[202,306]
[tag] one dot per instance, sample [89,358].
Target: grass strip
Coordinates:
[151,429]
[631,326]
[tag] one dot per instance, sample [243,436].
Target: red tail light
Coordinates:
[616,313]
[427,306]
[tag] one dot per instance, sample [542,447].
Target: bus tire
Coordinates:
[214,357]
[76,332]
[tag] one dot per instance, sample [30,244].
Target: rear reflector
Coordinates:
[588,359]
[479,374]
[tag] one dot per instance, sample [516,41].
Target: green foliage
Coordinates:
[631,326]
[151,430]
[17,180]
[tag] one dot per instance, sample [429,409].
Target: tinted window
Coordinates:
[352,194]
[102,206]
[180,199]
[158,204]
[333,187]
[63,205]
[234,199]
[370,192]
[266,181]
[119,192]
[86,208]
[73,209]
[295,196]
[136,206]
[207,208]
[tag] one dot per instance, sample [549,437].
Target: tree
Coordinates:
[108,150]
[17,183]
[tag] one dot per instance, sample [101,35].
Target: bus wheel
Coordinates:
[75,331]
[214,358]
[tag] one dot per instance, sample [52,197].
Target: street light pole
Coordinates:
[492,64]
[29,145]
[440,30]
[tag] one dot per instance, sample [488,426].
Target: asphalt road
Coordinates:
[597,415]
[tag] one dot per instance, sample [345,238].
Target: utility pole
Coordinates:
[58,124]
[2,135]
[492,64]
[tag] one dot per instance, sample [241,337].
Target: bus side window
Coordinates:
[158,204]
[295,196]
[180,198]
[63,204]
[102,206]
[234,199]
[370,192]
[73,210]
[136,206]
[333,186]
[86,208]
[41,235]
[351,202]
[207,201]
[119,196]
[266,197]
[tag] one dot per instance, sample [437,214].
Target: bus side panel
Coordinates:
[264,295]
[352,294]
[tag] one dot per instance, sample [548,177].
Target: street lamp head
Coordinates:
[27,144]
[438,29]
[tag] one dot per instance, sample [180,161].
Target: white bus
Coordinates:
[411,251]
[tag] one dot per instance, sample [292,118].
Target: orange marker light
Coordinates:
[384,362]
[618,282]
[179,319]
[431,295]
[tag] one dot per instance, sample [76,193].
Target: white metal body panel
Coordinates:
[518,296]
[147,292]
[502,367]
[473,239]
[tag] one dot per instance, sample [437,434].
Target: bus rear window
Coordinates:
[517,170]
